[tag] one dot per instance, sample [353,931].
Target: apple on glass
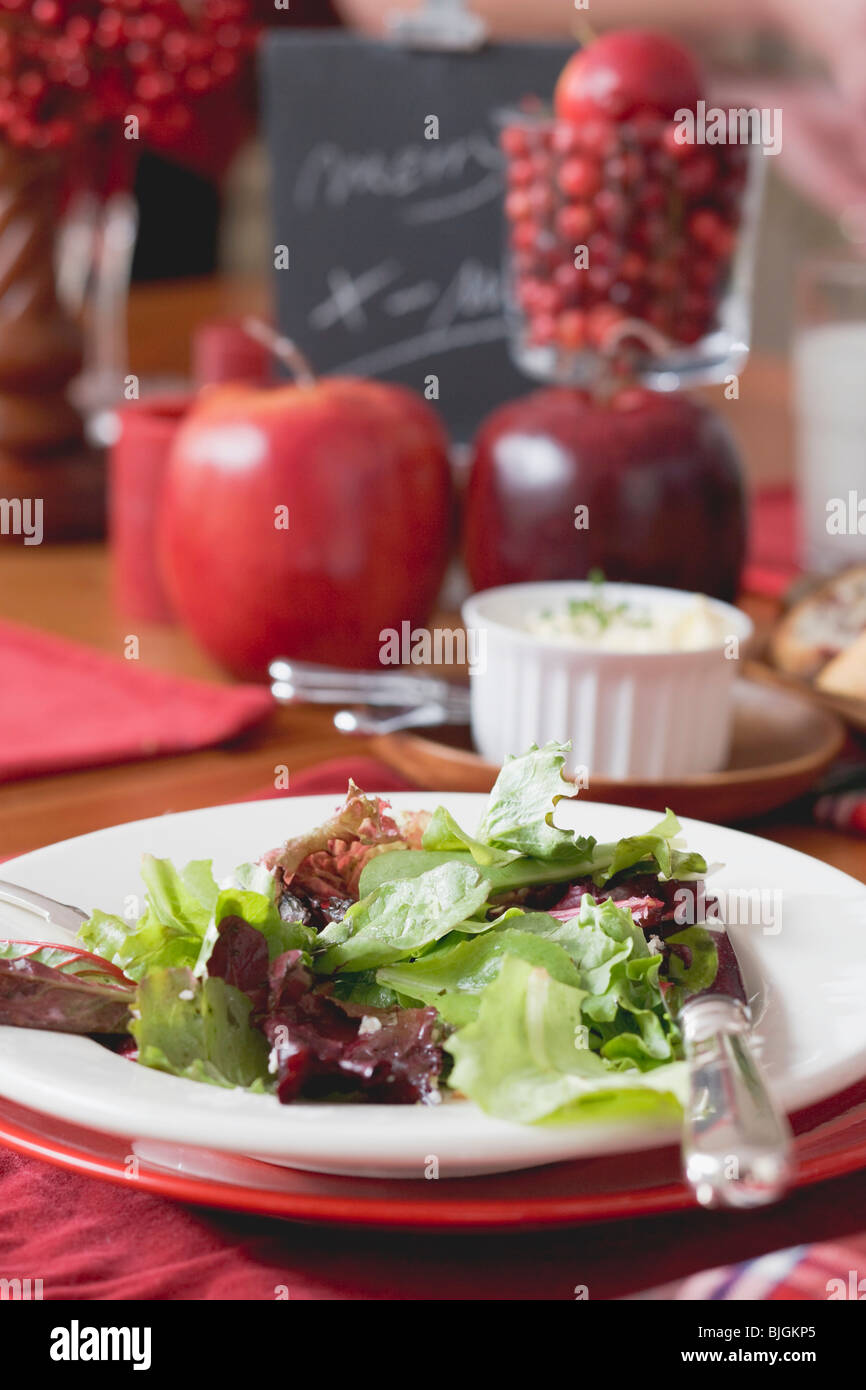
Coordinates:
[642,485]
[302,519]
[625,75]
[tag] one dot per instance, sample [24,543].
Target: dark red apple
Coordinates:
[302,520]
[658,475]
[628,72]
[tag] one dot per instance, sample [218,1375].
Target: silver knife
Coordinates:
[737,1144]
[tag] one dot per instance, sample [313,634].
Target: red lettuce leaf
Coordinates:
[322,1045]
[33,995]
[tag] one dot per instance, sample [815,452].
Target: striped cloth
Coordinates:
[823,1272]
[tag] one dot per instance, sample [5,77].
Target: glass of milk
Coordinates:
[830,410]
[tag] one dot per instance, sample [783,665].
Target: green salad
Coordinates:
[391,957]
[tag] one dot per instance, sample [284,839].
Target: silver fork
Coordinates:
[58,914]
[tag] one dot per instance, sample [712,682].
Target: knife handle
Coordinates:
[737,1144]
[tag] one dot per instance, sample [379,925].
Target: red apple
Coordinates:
[302,520]
[625,73]
[658,474]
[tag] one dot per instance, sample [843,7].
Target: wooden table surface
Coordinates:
[66,590]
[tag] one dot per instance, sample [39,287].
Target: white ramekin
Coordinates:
[648,715]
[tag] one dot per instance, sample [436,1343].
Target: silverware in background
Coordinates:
[379,702]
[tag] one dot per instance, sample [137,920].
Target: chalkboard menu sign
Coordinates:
[387,205]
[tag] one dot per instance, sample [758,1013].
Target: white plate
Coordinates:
[805,967]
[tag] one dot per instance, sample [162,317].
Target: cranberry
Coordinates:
[513,140]
[603,249]
[520,173]
[633,268]
[571,330]
[652,197]
[704,273]
[517,205]
[524,236]
[541,200]
[600,323]
[566,139]
[677,148]
[626,168]
[571,284]
[542,330]
[697,175]
[579,177]
[597,137]
[612,207]
[601,279]
[574,222]
[646,128]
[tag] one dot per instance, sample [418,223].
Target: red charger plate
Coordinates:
[831,1143]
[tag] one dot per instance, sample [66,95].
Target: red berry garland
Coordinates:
[67,66]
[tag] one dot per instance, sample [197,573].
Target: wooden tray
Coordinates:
[782,742]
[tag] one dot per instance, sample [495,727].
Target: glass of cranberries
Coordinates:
[624,244]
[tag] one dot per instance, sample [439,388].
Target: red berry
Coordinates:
[571,283]
[571,330]
[612,207]
[632,268]
[604,249]
[601,322]
[519,173]
[673,141]
[697,175]
[541,200]
[513,140]
[574,222]
[626,168]
[517,205]
[579,177]
[646,128]
[601,279]
[542,330]
[524,236]
[598,137]
[566,139]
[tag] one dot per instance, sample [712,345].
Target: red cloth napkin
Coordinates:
[87,1239]
[771,562]
[64,706]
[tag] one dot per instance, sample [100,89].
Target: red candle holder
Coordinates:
[137,467]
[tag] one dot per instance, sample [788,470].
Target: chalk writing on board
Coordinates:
[464,311]
[419,178]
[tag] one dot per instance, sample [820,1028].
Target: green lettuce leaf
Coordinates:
[654,851]
[524,1058]
[453,973]
[403,917]
[503,877]
[443,833]
[198,1029]
[172,928]
[519,814]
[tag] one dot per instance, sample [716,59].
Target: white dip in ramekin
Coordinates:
[639,679]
